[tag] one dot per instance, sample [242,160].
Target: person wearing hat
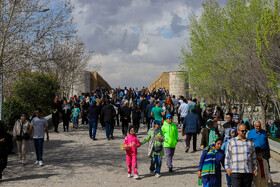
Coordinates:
[170,134]
[155,148]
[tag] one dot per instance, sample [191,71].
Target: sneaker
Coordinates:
[20,162]
[157,175]
[187,149]
[41,163]
[37,162]
[128,175]
[136,176]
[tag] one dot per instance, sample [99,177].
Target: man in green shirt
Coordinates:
[157,112]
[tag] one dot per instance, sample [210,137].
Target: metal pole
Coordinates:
[1,95]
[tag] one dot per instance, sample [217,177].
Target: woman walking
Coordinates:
[21,135]
[3,148]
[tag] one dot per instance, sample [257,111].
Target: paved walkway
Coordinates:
[73,159]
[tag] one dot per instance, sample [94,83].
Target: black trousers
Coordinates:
[55,120]
[65,124]
[149,123]
[136,124]
[118,119]
[241,179]
[124,127]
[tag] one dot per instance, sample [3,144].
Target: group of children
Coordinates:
[213,158]
[159,138]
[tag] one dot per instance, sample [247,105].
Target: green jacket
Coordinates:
[157,143]
[170,134]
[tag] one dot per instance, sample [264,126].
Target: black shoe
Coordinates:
[170,169]
[94,139]
[108,139]
[193,151]
[112,137]
[187,149]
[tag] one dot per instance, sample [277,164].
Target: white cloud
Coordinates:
[135,41]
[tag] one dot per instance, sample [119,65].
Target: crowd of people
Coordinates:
[244,158]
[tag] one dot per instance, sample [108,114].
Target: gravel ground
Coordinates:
[73,159]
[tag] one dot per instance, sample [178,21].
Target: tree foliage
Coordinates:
[224,57]
[36,90]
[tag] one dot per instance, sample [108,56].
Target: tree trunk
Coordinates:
[264,107]
[241,112]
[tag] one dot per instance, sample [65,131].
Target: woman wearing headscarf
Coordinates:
[3,148]
[208,133]
[210,164]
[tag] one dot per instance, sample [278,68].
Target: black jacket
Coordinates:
[108,113]
[125,113]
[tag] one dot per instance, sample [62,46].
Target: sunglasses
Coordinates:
[132,130]
[243,131]
[169,118]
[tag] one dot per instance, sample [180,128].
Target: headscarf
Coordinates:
[209,163]
[212,132]
[229,135]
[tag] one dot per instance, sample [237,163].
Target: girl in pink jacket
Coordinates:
[131,143]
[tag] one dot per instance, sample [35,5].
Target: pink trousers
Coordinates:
[131,160]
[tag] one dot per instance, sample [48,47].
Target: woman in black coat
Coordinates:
[3,148]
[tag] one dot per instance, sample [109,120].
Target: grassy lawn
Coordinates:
[275,139]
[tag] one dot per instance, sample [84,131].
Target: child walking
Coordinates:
[210,164]
[131,143]
[76,114]
[155,149]
[232,134]
[263,172]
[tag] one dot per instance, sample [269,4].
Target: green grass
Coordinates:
[275,139]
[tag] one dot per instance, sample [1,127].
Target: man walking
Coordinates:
[107,115]
[240,160]
[143,106]
[125,113]
[183,110]
[38,128]
[191,126]
[157,112]
[259,137]
[92,119]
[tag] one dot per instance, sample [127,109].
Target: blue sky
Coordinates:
[135,41]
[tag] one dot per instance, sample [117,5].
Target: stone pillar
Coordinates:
[177,86]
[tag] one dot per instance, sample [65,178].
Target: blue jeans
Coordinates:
[228,180]
[76,121]
[156,160]
[92,127]
[38,143]
[107,127]
[112,127]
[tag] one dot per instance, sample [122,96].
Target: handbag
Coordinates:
[26,136]
[158,149]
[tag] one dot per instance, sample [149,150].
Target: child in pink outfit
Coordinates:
[131,143]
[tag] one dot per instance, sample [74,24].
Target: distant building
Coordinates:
[89,82]
[173,82]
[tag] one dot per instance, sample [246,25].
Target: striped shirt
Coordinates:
[241,156]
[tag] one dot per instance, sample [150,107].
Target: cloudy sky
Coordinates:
[134,40]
